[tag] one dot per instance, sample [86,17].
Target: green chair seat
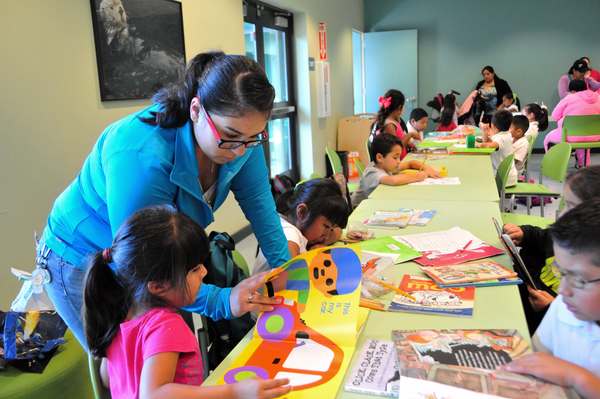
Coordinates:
[532,189]
[520,220]
[352,187]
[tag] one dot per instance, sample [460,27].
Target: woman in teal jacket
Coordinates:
[198,142]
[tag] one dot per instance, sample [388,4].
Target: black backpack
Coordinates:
[224,272]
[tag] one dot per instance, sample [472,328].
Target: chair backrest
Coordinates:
[360,167]
[334,160]
[502,174]
[99,391]
[315,176]
[238,258]
[530,139]
[351,133]
[367,115]
[555,162]
[368,146]
[580,125]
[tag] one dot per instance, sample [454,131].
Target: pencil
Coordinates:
[392,287]
[366,303]
[423,164]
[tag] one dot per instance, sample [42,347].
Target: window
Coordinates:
[268,35]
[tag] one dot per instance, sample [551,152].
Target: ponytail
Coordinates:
[227,85]
[447,115]
[396,99]
[540,114]
[105,304]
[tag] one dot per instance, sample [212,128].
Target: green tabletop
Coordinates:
[477,182]
[495,307]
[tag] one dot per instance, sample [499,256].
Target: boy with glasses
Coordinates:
[568,339]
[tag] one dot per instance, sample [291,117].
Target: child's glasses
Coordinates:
[571,278]
[231,144]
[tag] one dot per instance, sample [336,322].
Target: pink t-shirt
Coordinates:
[158,330]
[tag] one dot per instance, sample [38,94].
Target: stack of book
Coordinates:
[471,274]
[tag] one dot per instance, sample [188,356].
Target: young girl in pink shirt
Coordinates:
[130,320]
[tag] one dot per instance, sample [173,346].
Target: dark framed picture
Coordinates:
[139,46]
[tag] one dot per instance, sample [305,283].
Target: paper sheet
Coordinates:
[447,240]
[447,181]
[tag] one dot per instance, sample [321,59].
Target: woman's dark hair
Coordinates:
[227,85]
[448,112]
[322,197]
[577,85]
[490,70]
[540,114]
[578,231]
[397,100]
[417,114]
[585,182]
[154,244]
[383,144]
[512,96]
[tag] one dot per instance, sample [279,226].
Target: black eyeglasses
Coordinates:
[231,144]
[571,278]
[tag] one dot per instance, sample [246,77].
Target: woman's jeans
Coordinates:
[65,289]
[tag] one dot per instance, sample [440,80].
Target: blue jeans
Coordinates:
[65,289]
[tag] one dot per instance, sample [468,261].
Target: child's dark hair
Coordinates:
[540,114]
[154,244]
[449,107]
[417,114]
[383,144]
[502,120]
[585,182]
[577,85]
[397,99]
[520,122]
[578,230]
[227,85]
[512,96]
[322,197]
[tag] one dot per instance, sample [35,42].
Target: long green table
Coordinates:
[477,182]
[495,307]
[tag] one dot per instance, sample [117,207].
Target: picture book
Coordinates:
[467,272]
[390,245]
[320,291]
[390,219]
[375,267]
[431,299]
[376,370]
[449,363]
[441,169]
[472,151]
[432,148]
[420,217]
[484,283]
[443,258]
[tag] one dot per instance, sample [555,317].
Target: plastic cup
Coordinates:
[471,141]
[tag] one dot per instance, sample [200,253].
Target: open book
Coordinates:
[310,337]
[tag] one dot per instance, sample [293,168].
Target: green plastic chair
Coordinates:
[100,392]
[502,177]
[315,176]
[336,166]
[531,141]
[359,166]
[554,166]
[520,220]
[238,258]
[581,125]
[368,144]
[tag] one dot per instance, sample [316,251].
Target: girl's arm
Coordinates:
[104,373]
[406,140]
[158,374]
[294,249]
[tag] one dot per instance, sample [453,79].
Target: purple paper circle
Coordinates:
[283,332]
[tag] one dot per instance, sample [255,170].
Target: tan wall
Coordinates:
[51,111]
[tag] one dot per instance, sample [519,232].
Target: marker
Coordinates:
[466,246]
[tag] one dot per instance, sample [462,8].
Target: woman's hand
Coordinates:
[514,232]
[539,299]
[261,389]
[244,298]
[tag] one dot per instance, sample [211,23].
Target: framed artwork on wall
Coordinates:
[139,46]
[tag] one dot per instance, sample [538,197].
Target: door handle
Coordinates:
[413,99]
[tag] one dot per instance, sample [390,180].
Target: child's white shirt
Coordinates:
[292,234]
[411,129]
[504,140]
[520,148]
[533,129]
[563,335]
[512,108]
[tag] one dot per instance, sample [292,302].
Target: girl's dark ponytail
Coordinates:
[105,304]
[447,115]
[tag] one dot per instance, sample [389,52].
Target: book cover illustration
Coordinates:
[431,299]
[467,272]
[484,349]
[426,380]
[420,217]
[376,370]
[443,258]
[376,267]
[320,291]
[484,283]
[390,219]
[390,245]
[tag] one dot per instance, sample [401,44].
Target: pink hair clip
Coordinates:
[385,102]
